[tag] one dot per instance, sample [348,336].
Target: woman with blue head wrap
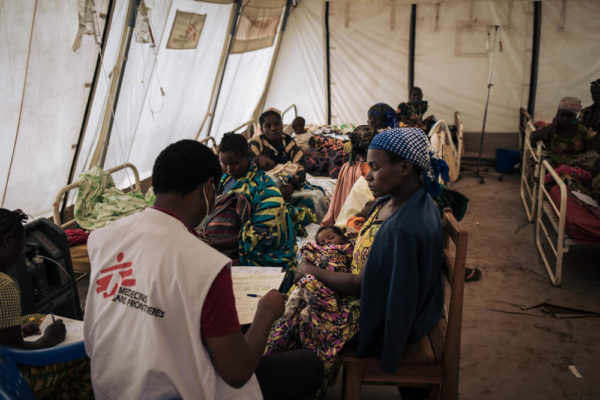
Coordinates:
[381,116]
[397,259]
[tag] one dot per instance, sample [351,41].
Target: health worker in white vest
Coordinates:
[160,318]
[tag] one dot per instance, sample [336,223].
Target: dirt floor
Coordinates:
[508,353]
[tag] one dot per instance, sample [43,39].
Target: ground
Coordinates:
[507,355]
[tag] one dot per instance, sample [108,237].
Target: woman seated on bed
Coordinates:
[354,168]
[274,149]
[250,220]
[565,139]
[397,259]
[412,113]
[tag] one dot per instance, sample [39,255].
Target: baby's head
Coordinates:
[330,235]
[298,125]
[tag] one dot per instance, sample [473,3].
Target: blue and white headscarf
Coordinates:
[412,145]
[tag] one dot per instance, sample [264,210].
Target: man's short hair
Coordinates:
[183,166]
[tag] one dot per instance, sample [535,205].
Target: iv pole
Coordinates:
[487,101]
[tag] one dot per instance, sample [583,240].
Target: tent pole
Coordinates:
[411,48]
[115,87]
[263,97]
[235,11]
[327,60]
[12,155]
[88,106]
[535,55]
[221,75]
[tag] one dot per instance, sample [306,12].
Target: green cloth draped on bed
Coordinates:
[267,238]
[99,201]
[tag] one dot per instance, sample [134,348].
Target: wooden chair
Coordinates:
[434,360]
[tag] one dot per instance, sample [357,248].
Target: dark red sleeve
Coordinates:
[219,316]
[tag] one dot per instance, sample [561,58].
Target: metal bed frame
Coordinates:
[557,217]
[531,160]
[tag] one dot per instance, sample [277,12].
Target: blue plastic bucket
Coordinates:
[506,160]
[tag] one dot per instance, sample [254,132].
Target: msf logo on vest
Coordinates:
[124,270]
[120,291]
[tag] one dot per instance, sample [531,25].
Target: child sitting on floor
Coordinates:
[315,316]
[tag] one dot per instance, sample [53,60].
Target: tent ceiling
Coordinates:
[166,92]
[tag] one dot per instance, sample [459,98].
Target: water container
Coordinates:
[506,160]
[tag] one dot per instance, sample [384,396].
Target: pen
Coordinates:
[52,315]
[253,295]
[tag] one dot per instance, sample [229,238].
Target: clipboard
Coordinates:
[250,283]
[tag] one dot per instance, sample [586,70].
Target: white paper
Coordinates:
[254,281]
[74,330]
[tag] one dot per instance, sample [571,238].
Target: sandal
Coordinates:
[472,274]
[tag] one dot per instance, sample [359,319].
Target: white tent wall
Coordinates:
[103,80]
[369,57]
[53,101]
[13,60]
[299,76]
[569,58]
[452,61]
[146,121]
[243,84]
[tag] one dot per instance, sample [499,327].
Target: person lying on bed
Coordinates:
[354,168]
[250,220]
[412,113]
[273,147]
[397,259]
[565,138]
[381,117]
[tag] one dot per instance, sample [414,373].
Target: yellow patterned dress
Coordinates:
[323,321]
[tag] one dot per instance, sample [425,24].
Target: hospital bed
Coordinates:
[561,222]
[79,255]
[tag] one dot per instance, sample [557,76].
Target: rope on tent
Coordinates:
[12,156]
[154,68]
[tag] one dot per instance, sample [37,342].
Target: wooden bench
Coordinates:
[433,361]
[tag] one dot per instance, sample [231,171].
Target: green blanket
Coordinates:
[100,202]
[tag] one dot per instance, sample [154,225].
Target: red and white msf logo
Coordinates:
[122,278]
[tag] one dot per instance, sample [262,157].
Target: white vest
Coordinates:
[149,278]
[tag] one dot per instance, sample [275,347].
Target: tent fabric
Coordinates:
[369,57]
[452,62]
[257,27]
[165,92]
[53,99]
[243,84]
[298,77]
[569,58]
